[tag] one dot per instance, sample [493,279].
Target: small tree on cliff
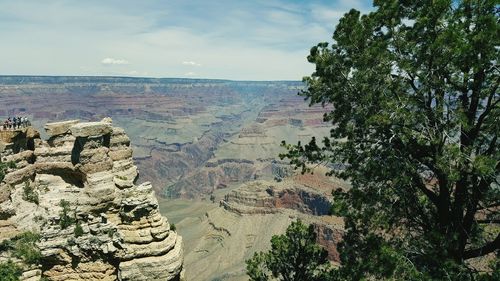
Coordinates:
[294,256]
[414,87]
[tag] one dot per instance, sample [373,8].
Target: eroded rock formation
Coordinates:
[264,197]
[95,223]
[308,204]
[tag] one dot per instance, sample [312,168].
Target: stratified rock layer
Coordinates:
[262,197]
[117,231]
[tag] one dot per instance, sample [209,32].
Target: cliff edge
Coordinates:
[75,193]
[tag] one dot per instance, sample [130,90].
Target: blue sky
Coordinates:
[241,40]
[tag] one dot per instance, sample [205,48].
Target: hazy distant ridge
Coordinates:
[22,79]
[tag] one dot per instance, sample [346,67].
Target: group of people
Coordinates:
[16,122]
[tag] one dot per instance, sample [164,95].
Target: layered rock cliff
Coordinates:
[292,199]
[263,197]
[76,191]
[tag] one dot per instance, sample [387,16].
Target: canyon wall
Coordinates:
[189,135]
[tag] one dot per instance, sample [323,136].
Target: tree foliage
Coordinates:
[65,219]
[294,256]
[78,231]
[414,87]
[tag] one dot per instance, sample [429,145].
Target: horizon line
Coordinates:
[141,77]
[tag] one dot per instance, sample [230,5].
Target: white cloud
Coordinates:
[190,74]
[112,61]
[191,63]
[132,72]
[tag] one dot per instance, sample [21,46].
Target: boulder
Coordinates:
[107,120]
[90,129]
[59,128]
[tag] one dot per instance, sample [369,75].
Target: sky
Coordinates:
[219,39]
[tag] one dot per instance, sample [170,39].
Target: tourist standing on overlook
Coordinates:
[16,123]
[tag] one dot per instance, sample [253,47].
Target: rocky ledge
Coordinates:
[76,192]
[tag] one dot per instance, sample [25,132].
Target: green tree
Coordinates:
[65,219]
[294,256]
[414,87]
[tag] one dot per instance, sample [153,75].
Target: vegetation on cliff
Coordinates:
[9,271]
[23,246]
[4,166]
[29,194]
[414,86]
[65,220]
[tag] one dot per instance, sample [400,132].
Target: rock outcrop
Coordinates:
[264,197]
[78,191]
[292,199]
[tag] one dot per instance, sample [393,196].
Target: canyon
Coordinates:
[188,135]
[210,151]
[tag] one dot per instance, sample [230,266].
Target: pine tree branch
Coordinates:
[487,221]
[484,250]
